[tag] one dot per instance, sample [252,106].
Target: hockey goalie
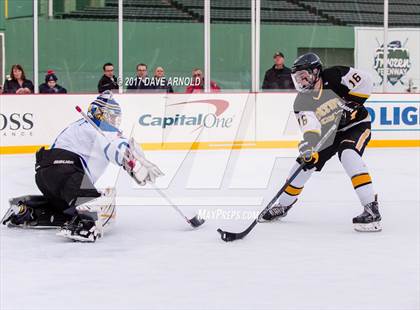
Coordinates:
[66,174]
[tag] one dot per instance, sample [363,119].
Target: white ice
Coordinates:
[152,260]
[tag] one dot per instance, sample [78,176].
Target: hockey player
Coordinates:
[332,96]
[66,174]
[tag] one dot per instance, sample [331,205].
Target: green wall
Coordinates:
[288,39]
[177,47]
[19,44]
[231,55]
[2,15]
[19,8]
[76,50]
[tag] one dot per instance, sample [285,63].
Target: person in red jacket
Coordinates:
[198,83]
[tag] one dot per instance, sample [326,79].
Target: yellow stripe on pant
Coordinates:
[361,179]
[293,191]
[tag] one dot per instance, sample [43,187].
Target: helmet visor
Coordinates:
[304,80]
[113,119]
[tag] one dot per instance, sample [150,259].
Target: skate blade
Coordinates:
[276,219]
[273,220]
[35,227]
[67,234]
[369,227]
[13,210]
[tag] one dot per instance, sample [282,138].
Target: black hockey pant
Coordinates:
[61,179]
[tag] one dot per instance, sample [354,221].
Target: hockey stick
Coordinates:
[195,221]
[230,236]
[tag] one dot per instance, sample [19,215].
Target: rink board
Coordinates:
[197,121]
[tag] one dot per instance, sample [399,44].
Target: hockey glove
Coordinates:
[306,149]
[138,167]
[350,109]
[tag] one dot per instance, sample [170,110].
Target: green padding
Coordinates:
[76,50]
[20,8]
[2,25]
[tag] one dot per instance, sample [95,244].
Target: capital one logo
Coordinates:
[200,120]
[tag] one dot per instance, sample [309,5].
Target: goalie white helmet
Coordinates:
[105,109]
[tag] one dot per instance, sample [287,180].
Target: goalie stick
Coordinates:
[195,221]
[231,236]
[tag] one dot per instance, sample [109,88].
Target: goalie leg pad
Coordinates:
[103,207]
[92,219]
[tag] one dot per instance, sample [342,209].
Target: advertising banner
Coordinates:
[403,57]
[197,122]
[395,117]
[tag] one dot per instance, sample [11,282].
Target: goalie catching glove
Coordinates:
[138,167]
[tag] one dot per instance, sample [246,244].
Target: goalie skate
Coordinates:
[31,211]
[82,230]
[18,215]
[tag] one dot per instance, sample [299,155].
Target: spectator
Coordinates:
[198,83]
[279,76]
[108,80]
[17,83]
[141,82]
[161,83]
[50,86]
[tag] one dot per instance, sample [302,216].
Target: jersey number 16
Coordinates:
[355,79]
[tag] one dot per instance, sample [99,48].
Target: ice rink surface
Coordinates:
[152,260]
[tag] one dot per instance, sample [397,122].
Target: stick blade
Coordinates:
[230,236]
[196,221]
[227,236]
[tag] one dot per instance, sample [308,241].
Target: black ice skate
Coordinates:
[276,212]
[78,229]
[19,215]
[32,211]
[370,219]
